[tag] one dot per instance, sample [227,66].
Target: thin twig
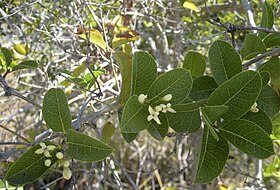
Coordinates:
[247,174]
[18,135]
[10,91]
[16,143]
[273,52]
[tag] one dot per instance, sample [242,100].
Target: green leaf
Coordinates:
[85,148]
[253,46]
[129,137]
[224,61]
[159,131]
[202,88]
[81,68]
[56,112]
[213,113]
[20,49]
[248,137]
[267,19]
[265,78]
[94,36]
[191,6]
[195,62]
[239,94]
[272,40]
[177,82]
[269,101]
[7,56]
[125,63]
[29,64]
[261,119]
[144,72]
[212,158]
[134,118]
[108,131]
[29,167]
[186,118]
[125,37]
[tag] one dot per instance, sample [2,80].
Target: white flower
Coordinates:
[153,115]
[59,155]
[45,149]
[67,173]
[142,98]
[254,108]
[167,97]
[65,163]
[167,108]
[48,162]
[158,108]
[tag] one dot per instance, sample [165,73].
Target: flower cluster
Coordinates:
[45,149]
[154,112]
[254,108]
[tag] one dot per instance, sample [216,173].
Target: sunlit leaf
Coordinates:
[124,37]
[94,36]
[191,6]
[20,49]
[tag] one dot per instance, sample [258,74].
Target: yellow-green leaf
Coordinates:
[125,37]
[20,49]
[191,6]
[94,36]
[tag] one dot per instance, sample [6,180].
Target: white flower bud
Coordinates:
[59,155]
[167,97]
[142,98]
[48,162]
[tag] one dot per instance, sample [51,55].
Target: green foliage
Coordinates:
[212,157]
[85,148]
[253,46]
[272,40]
[29,167]
[267,19]
[224,61]
[269,101]
[56,112]
[144,72]
[26,65]
[108,131]
[239,93]
[195,62]
[242,134]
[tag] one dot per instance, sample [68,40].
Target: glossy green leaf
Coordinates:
[29,64]
[29,166]
[108,131]
[56,112]
[125,37]
[125,63]
[248,137]
[177,82]
[261,119]
[202,88]
[212,158]
[269,101]
[224,61]
[20,49]
[272,40]
[94,36]
[267,19]
[213,113]
[239,94]
[85,148]
[187,117]
[144,72]
[7,56]
[134,118]
[195,63]
[159,131]
[253,46]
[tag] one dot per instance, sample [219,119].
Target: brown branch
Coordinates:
[256,28]
[10,91]
[273,52]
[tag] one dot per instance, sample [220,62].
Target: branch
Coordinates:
[10,91]
[273,52]
[256,28]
